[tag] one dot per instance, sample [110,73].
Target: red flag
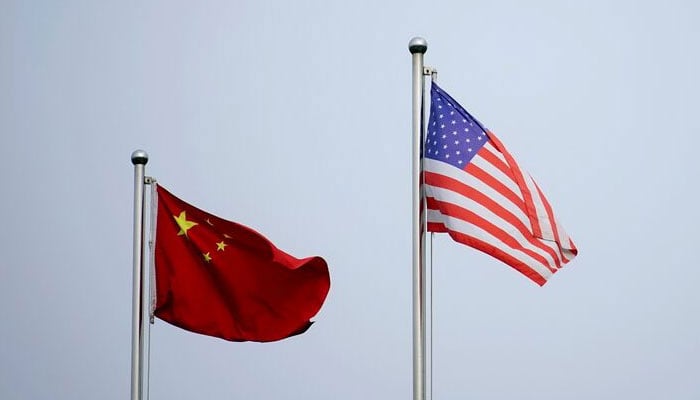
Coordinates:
[223,279]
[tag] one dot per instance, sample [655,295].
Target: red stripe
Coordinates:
[561,259]
[496,161]
[478,173]
[492,205]
[499,254]
[550,213]
[495,231]
[553,223]
[518,177]
[437,227]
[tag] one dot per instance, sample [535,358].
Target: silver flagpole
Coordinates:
[139,158]
[418,46]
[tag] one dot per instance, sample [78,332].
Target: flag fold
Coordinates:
[223,279]
[478,194]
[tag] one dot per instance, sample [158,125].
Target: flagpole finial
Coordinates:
[418,45]
[139,157]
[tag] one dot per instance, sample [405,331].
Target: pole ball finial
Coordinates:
[139,157]
[417,45]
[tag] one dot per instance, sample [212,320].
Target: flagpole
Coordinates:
[139,158]
[418,46]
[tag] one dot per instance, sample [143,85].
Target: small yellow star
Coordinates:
[209,222]
[227,236]
[184,224]
[220,246]
[207,257]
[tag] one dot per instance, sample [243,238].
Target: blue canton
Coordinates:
[454,136]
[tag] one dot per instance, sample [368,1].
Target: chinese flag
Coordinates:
[223,279]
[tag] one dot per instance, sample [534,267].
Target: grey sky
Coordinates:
[294,118]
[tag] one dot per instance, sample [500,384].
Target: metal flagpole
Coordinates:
[418,46]
[139,158]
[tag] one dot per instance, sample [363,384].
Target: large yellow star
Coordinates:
[207,257]
[220,246]
[183,223]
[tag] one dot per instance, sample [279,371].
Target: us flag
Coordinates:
[479,195]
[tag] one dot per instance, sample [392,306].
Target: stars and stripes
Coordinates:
[478,194]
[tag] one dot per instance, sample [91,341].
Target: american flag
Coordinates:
[479,195]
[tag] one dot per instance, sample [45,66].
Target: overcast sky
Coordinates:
[295,118]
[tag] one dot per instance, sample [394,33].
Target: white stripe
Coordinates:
[562,236]
[496,173]
[540,212]
[553,245]
[490,147]
[548,226]
[563,241]
[458,225]
[568,254]
[482,163]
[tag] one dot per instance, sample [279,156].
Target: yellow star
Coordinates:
[183,223]
[207,257]
[209,222]
[220,246]
[227,236]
